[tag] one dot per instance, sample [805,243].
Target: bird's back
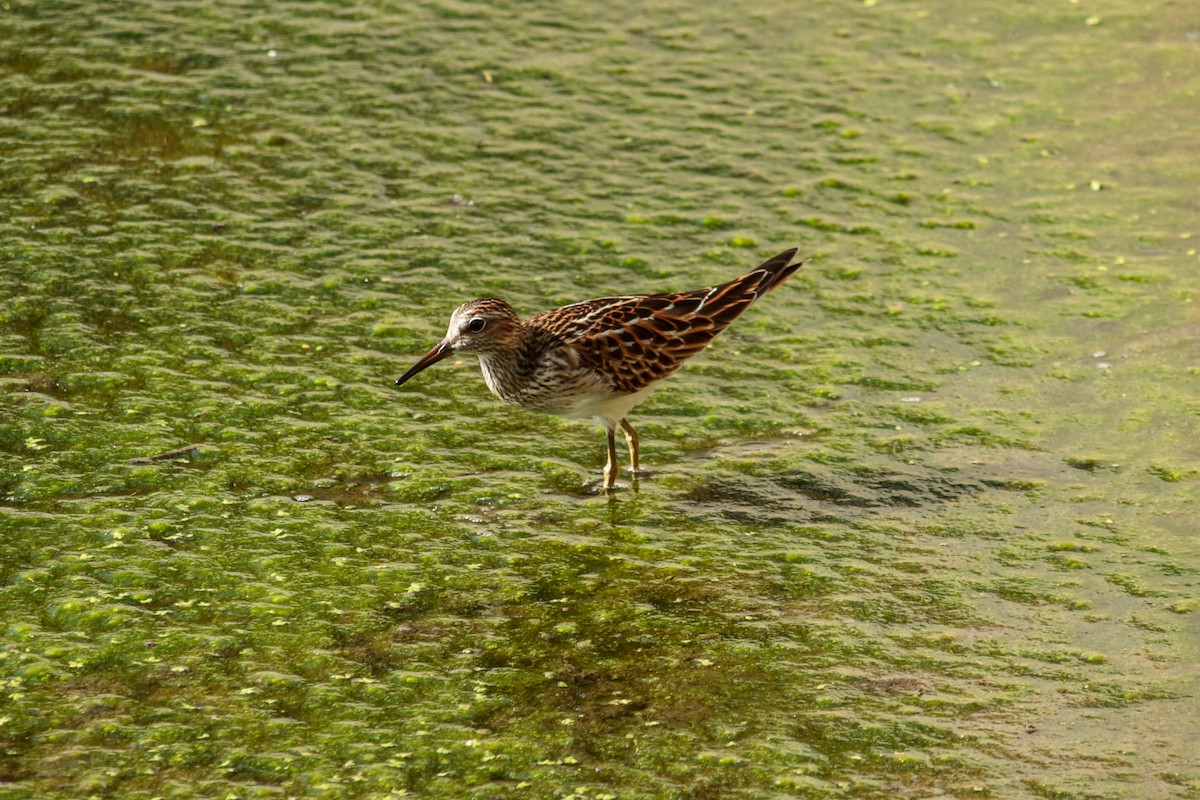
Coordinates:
[636,340]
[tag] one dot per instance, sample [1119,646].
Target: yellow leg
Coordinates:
[610,469]
[631,440]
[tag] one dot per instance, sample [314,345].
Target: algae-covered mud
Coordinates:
[920,525]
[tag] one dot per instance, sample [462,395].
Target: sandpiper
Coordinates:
[598,358]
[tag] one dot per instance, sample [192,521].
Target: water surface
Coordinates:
[920,525]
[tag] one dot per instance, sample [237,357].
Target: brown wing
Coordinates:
[638,339]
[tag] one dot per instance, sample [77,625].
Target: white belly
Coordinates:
[565,392]
[611,408]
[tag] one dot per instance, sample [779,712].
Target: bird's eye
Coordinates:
[476,324]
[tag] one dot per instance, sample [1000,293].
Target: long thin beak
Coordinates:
[443,350]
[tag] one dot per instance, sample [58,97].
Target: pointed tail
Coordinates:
[777,270]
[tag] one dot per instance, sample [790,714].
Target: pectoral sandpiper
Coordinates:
[598,358]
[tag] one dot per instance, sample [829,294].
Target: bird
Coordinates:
[598,358]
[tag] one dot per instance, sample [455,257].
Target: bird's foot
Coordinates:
[596,488]
[603,486]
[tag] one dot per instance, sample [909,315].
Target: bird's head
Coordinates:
[486,326]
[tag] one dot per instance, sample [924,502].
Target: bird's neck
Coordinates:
[510,371]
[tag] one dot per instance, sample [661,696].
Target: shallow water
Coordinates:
[920,525]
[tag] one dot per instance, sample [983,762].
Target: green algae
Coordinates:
[922,517]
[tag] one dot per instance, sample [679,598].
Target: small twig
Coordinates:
[182,451]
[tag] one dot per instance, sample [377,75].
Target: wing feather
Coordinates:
[635,340]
